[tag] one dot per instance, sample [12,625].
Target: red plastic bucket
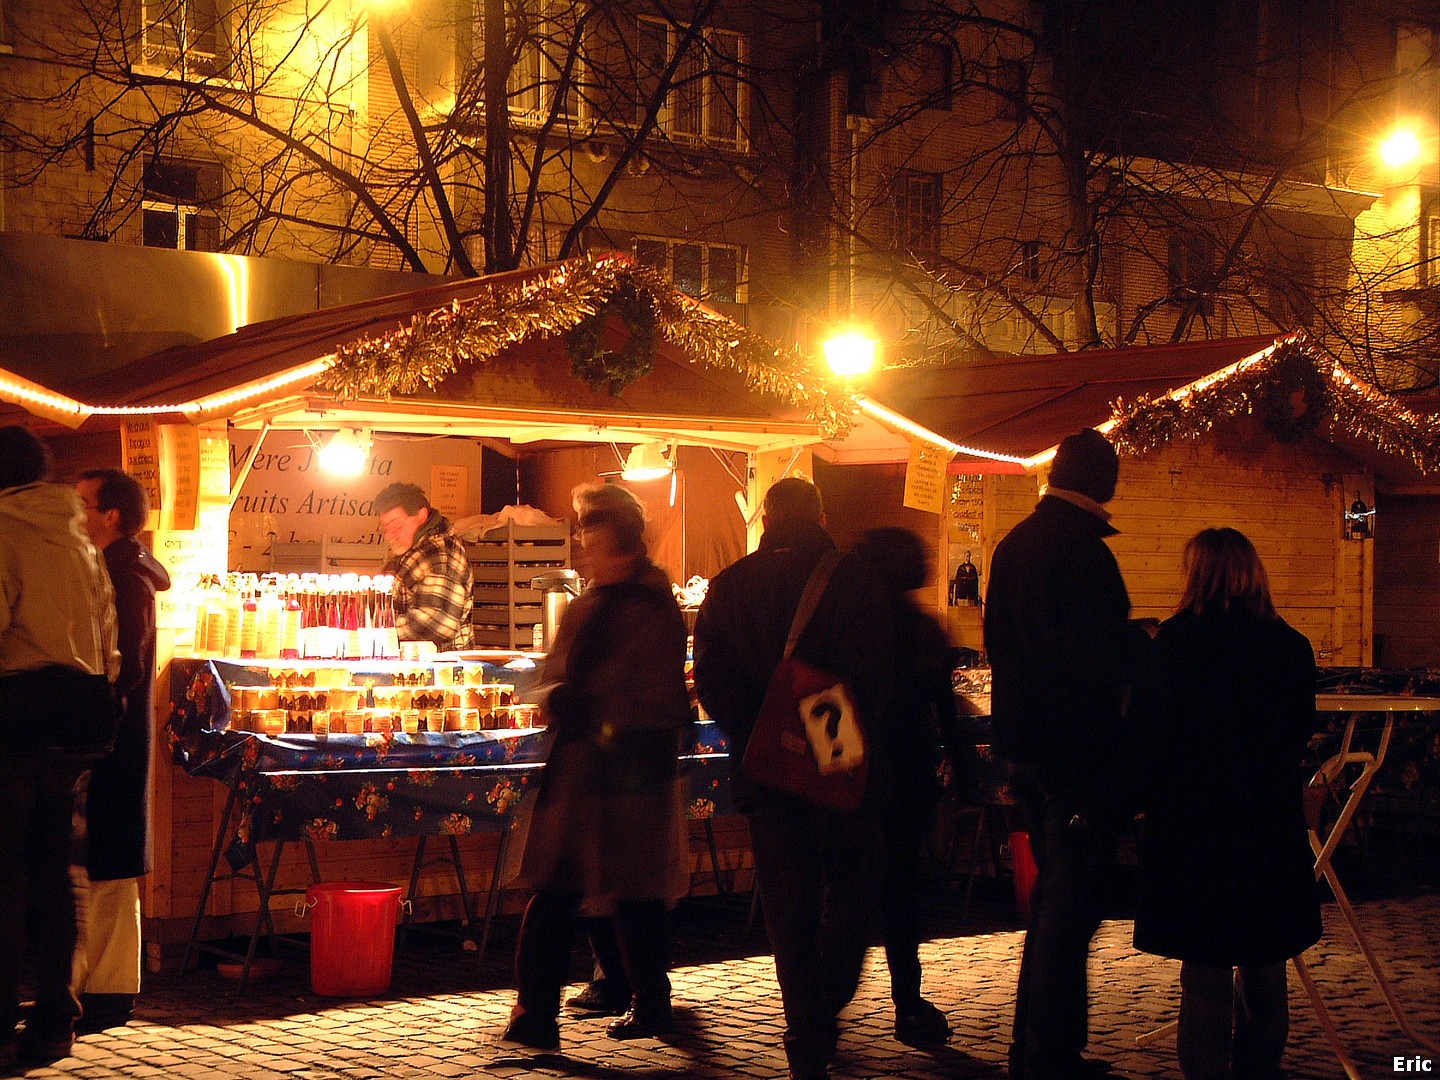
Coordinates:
[352,937]
[1023,860]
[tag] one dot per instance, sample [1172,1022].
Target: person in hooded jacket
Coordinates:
[58,660]
[1222,716]
[118,800]
[921,718]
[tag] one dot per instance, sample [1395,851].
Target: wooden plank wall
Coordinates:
[861,497]
[1407,580]
[1289,500]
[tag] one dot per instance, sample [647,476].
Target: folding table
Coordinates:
[1351,769]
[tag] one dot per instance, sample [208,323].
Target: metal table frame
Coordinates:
[265,888]
[1331,774]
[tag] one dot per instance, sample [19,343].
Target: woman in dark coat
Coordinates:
[920,717]
[608,834]
[1227,880]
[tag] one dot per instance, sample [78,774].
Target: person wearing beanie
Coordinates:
[1062,650]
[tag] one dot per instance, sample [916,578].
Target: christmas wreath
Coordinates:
[609,369]
[1292,396]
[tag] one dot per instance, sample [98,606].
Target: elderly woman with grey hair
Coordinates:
[607,835]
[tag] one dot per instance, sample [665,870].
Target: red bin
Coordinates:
[352,938]
[1023,860]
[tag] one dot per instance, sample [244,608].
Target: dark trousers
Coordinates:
[542,955]
[1074,864]
[817,874]
[1233,1021]
[609,969]
[900,907]
[42,909]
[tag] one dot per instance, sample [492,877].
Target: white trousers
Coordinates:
[109,957]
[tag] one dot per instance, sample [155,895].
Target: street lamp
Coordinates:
[1401,148]
[850,352]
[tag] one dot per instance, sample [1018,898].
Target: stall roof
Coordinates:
[1019,407]
[273,372]
[1008,415]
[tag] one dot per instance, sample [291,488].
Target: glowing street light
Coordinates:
[850,353]
[1401,148]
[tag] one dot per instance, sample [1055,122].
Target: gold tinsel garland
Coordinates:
[436,344]
[1293,391]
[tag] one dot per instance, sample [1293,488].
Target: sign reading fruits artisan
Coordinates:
[286,497]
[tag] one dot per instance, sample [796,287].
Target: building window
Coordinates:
[936,82]
[179,205]
[708,272]
[540,85]
[1012,91]
[1030,260]
[186,37]
[1293,287]
[707,102]
[1428,255]
[1191,269]
[916,200]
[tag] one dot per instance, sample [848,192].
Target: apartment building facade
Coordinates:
[965,179]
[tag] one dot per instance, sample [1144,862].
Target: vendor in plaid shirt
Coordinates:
[432,572]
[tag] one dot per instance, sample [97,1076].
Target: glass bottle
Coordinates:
[249,627]
[290,632]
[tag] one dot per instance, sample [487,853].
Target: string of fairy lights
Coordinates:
[1291,387]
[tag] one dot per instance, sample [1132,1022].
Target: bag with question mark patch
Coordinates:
[808,739]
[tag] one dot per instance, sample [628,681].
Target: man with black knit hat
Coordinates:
[1062,648]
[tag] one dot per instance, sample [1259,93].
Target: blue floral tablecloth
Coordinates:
[349,787]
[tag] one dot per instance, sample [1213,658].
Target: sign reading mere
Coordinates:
[287,497]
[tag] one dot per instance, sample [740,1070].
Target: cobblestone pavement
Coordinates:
[443,1012]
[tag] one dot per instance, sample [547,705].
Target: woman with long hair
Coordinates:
[1222,715]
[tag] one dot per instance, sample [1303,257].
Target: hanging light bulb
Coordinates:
[646,461]
[346,452]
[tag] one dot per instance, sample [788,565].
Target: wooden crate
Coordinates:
[502,563]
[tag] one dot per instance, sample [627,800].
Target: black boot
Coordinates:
[642,1022]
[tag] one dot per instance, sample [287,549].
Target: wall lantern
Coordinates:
[1359,520]
[646,461]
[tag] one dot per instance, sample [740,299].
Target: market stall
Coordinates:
[1335,482]
[534,380]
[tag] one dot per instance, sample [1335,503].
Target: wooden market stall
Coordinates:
[1261,434]
[1336,483]
[536,379]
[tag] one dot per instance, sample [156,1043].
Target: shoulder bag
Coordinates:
[808,739]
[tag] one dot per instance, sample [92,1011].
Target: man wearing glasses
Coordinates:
[118,801]
[432,591]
